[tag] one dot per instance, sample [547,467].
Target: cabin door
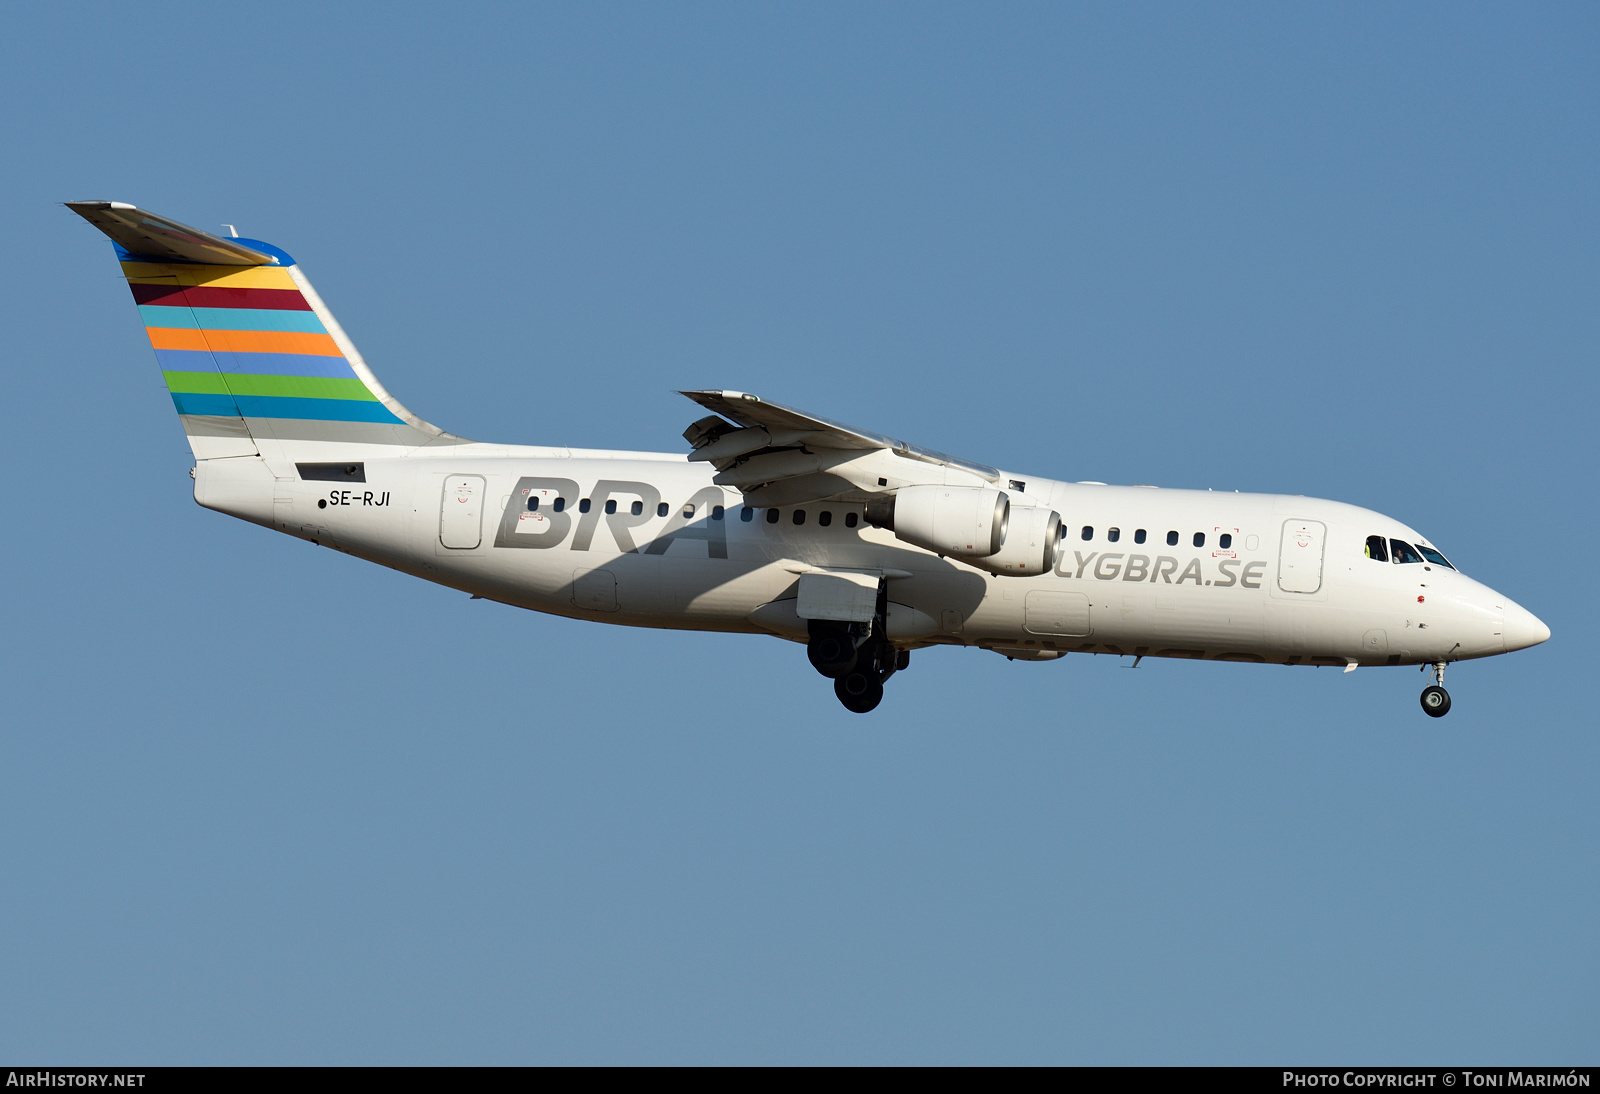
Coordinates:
[461,512]
[1300,556]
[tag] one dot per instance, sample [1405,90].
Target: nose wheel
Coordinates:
[1436,700]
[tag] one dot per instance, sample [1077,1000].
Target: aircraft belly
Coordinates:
[709,591]
[1182,622]
[1314,631]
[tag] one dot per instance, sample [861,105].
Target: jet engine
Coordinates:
[1033,543]
[961,521]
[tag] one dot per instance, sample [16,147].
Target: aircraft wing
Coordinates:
[776,455]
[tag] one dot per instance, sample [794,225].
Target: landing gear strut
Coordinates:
[1436,700]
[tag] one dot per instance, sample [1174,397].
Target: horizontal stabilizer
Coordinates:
[147,235]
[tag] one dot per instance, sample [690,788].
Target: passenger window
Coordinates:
[799,516]
[850,520]
[1088,533]
[1434,556]
[1225,541]
[1113,534]
[1172,539]
[1138,535]
[611,506]
[1377,549]
[825,518]
[1403,551]
[772,516]
[688,511]
[663,509]
[561,503]
[716,512]
[583,505]
[1199,539]
[637,508]
[746,513]
[533,504]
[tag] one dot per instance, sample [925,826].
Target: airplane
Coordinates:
[777,522]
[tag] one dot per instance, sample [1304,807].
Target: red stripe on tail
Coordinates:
[218,297]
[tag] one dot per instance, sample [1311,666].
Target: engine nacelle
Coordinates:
[1033,543]
[961,521]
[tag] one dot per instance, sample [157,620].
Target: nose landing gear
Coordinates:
[1436,700]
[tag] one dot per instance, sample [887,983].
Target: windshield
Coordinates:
[1404,552]
[1434,556]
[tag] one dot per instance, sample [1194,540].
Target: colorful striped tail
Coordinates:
[255,362]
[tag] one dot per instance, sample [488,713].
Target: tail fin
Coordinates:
[255,362]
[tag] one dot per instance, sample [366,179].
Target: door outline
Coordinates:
[457,526]
[1294,569]
[598,586]
[1063,614]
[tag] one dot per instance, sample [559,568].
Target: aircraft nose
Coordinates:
[1522,628]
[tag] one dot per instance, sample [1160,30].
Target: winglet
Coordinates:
[144,234]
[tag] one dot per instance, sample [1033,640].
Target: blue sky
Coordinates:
[265,803]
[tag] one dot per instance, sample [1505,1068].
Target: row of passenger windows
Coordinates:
[1378,548]
[798,516]
[1113,535]
[825,519]
[637,508]
[746,513]
[1398,550]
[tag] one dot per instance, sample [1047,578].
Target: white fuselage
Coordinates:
[1293,586]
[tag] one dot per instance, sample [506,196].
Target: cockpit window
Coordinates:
[1404,552]
[1377,549]
[1434,556]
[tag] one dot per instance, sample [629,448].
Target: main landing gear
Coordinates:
[861,689]
[1436,700]
[857,657]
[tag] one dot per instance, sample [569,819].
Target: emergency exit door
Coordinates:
[461,512]
[1300,556]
